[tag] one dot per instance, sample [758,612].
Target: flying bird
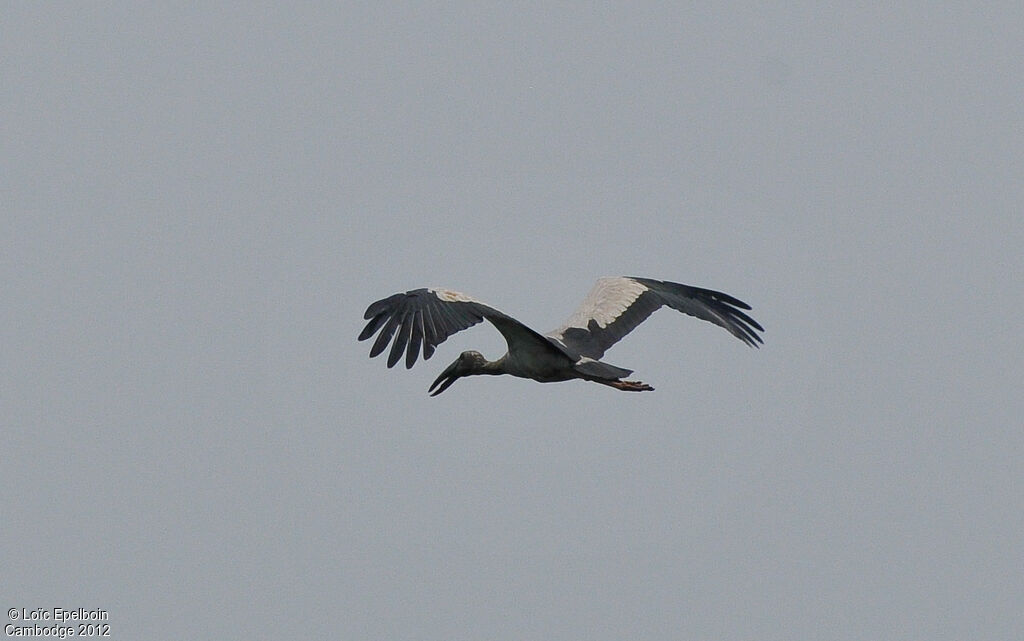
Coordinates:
[425,318]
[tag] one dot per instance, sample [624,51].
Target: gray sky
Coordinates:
[199,203]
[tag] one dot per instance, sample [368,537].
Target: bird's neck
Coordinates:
[493,367]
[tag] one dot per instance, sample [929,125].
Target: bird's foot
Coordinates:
[632,386]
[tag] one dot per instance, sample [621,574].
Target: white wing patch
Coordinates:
[450,296]
[606,302]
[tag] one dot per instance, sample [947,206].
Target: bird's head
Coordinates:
[467,364]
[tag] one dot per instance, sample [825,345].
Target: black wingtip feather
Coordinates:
[721,297]
[372,327]
[384,337]
[405,327]
[382,306]
[415,339]
[430,333]
[747,319]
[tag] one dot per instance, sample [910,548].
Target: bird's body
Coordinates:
[615,306]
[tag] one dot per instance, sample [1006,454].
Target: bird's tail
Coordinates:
[597,369]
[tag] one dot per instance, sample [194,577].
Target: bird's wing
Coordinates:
[615,306]
[429,316]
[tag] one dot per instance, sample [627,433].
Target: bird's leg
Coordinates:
[631,386]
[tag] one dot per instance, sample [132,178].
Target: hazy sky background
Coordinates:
[200,202]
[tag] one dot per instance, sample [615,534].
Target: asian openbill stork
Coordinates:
[614,307]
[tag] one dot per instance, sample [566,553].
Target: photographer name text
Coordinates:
[58,614]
